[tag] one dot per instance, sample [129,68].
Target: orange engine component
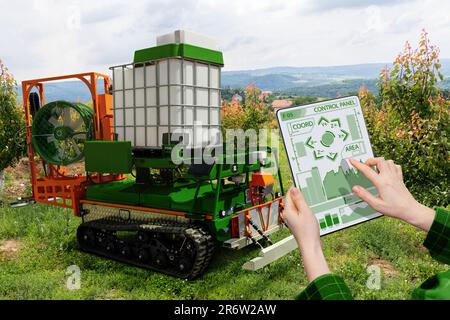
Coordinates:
[262,179]
[57,186]
[260,185]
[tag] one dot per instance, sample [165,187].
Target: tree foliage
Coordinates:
[233,115]
[252,114]
[258,115]
[12,124]
[228,93]
[298,101]
[410,121]
[408,86]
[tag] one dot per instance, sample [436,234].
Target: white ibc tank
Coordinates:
[183,36]
[172,95]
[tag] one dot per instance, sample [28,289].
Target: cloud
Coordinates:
[93,16]
[60,37]
[325,5]
[240,42]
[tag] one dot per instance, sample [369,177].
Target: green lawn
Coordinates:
[47,246]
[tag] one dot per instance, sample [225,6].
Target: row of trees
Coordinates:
[252,110]
[12,123]
[409,121]
[252,113]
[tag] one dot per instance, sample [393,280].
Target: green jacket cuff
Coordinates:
[435,288]
[326,287]
[438,238]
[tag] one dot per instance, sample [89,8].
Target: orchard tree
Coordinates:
[233,115]
[411,82]
[258,115]
[12,123]
[409,121]
[253,114]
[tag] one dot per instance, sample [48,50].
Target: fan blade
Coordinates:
[54,121]
[51,138]
[81,136]
[76,124]
[75,147]
[57,111]
[66,116]
[64,150]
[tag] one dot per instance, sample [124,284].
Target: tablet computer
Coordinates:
[319,139]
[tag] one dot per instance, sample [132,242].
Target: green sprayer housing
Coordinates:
[60,129]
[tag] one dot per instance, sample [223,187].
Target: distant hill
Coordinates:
[316,81]
[327,82]
[362,71]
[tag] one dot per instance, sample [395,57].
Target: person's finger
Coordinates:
[365,195]
[391,165]
[399,171]
[381,164]
[366,170]
[374,162]
[289,205]
[298,199]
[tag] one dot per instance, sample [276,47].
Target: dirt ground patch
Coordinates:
[20,179]
[19,184]
[388,269]
[9,249]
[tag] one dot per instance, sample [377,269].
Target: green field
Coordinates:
[45,239]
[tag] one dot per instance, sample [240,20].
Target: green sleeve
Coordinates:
[438,238]
[326,287]
[435,288]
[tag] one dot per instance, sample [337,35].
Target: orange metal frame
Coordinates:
[264,220]
[57,188]
[257,202]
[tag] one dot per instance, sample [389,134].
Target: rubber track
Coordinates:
[202,239]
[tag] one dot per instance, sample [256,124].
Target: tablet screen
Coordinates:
[319,139]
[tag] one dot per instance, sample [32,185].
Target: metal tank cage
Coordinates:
[148,126]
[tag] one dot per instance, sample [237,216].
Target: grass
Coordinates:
[48,247]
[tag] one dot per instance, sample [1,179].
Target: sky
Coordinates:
[49,37]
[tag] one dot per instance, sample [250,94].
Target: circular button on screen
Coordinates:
[327,139]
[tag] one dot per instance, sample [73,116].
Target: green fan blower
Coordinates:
[59,131]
